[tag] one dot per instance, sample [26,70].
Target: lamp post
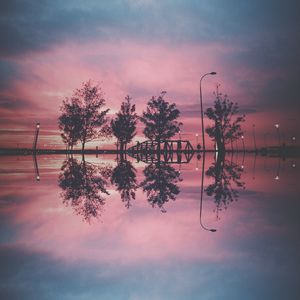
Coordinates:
[242,137]
[278,134]
[265,139]
[254,137]
[201,107]
[37,129]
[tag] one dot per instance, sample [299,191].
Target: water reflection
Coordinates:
[256,247]
[226,181]
[160,184]
[124,178]
[84,186]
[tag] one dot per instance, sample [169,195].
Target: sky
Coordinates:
[140,48]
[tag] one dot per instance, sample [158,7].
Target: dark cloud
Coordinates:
[27,274]
[12,103]
[8,72]
[29,25]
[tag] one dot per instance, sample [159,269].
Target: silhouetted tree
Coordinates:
[160,119]
[124,178]
[227,177]
[160,184]
[226,127]
[124,126]
[69,122]
[83,186]
[87,103]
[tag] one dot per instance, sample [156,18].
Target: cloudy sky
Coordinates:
[48,48]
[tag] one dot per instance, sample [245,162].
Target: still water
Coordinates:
[107,229]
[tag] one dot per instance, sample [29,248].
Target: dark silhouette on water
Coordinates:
[227,180]
[201,198]
[160,184]
[124,178]
[84,187]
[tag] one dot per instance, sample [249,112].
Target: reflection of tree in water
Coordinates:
[83,186]
[124,178]
[227,177]
[160,184]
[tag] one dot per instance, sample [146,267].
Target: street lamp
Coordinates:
[242,137]
[201,107]
[278,134]
[254,137]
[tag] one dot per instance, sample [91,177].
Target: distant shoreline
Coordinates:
[289,151]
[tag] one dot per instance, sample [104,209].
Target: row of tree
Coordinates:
[84,118]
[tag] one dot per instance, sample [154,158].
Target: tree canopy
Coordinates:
[69,123]
[124,125]
[83,116]
[226,125]
[160,119]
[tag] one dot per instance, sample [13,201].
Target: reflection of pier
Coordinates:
[167,151]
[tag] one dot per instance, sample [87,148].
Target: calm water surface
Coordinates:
[99,229]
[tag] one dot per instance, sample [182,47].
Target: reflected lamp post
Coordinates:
[201,107]
[201,198]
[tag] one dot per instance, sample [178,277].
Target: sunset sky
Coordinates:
[49,47]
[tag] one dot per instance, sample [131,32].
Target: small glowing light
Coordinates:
[197,168]
[197,134]
[242,137]
[294,138]
[38,178]
[242,166]
[294,165]
[277,177]
[37,125]
[276,126]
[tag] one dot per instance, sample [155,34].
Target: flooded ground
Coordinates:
[107,229]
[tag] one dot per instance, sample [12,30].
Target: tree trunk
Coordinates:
[82,147]
[121,147]
[219,166]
